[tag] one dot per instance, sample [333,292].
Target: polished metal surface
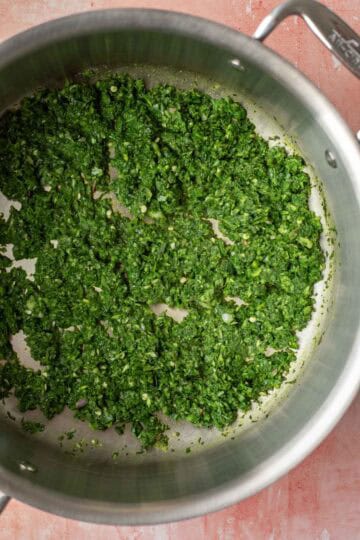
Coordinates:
[158,490]
[336,35]
[4,499]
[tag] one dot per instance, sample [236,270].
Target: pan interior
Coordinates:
[64,433]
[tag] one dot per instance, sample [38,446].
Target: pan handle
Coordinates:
[4,499]
[336,35]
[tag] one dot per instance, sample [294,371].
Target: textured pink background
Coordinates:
[320,499]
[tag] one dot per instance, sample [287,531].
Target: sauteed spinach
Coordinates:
[177,160]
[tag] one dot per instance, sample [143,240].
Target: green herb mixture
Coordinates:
[175,159]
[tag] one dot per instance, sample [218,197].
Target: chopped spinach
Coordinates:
[32,427]
[175,159]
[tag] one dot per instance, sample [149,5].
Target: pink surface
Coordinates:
[320,499]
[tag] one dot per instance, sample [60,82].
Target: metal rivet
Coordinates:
[330,158]
[27,466]
[237,64]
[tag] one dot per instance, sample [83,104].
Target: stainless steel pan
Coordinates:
[158,487]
